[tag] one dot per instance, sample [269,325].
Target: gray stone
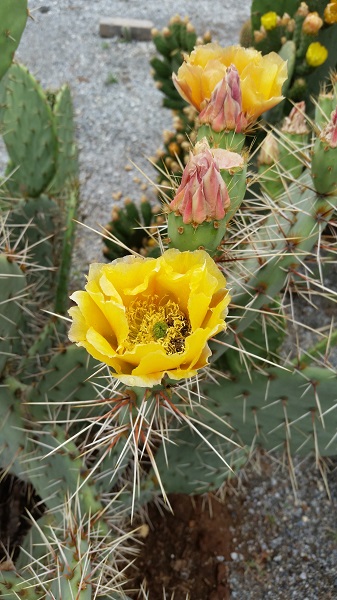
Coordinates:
[136,29]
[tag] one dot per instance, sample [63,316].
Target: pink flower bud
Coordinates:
[202,194]
[224,110]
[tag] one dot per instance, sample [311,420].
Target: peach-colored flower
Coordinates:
[261,77]
[147,317]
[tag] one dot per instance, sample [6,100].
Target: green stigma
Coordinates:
[159,330]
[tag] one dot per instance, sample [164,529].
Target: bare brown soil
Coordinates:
[187,552]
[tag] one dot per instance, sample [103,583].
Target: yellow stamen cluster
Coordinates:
[153,320]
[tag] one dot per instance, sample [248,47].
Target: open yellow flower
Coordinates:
[147,317]
[261,77]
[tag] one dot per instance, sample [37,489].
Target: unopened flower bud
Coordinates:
[316,54]
[329,133]
[291,26]
[312,23]
[269,151]
[285,20]
[296,122]
[269,176]
[202,194]
[303,10]
[270,20]
[330,13]
[259,35]
[293,141]
[198,213]
[224,110]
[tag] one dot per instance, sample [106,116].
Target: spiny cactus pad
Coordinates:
[67,159]
[13,17]
[190,465]
[29,134]
[12,295]
[279,410]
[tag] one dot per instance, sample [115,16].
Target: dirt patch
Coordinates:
[187,552]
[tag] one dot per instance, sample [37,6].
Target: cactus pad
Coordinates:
[13,17]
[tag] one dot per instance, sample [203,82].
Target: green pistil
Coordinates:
[159,330]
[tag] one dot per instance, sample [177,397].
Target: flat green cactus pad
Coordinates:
[280,410]
[13,17]
[29,134]
[12,292]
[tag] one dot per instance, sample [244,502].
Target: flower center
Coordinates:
[154,320]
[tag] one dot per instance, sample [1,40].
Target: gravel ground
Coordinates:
[285,549]
[290,548]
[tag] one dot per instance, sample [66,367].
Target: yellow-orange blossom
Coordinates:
[261,77]
[147,317]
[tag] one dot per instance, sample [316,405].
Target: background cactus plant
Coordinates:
[305,24]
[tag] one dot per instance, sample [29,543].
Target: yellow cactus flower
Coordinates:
[316,54]
[269,20]
[330,13]
[261,77]
[147,317]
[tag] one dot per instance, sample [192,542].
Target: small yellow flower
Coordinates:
[261,77]
[269,20]
[147,317]
[330,13]
[316,54]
